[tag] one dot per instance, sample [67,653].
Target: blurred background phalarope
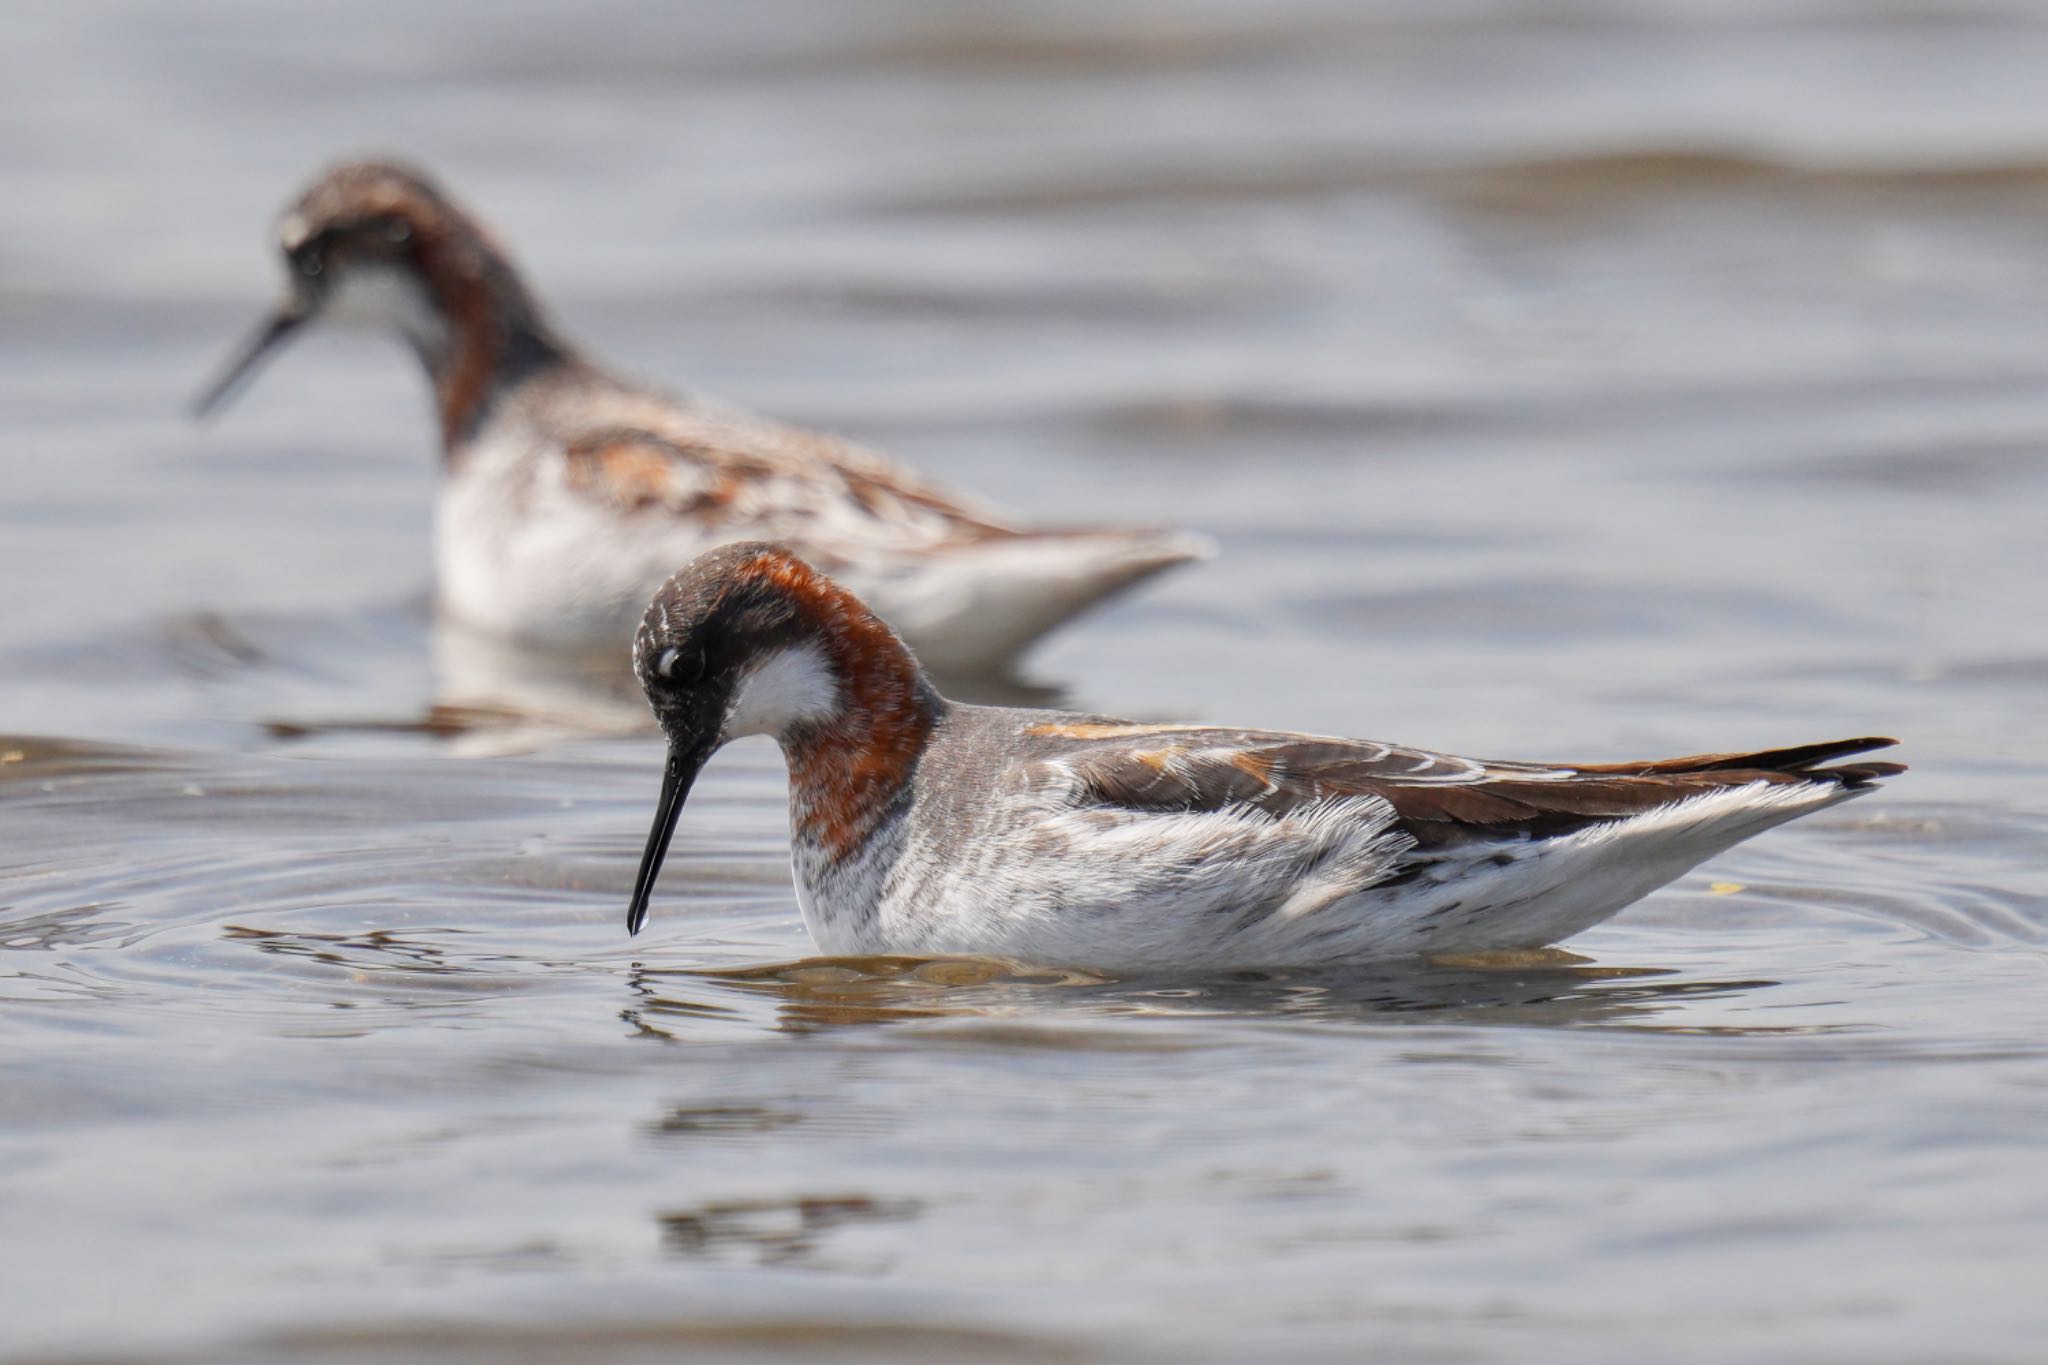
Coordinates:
[569,493]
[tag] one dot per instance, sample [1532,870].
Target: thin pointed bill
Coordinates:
[276,329]
[676,778]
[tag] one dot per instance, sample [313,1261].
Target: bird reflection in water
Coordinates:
[1541,988]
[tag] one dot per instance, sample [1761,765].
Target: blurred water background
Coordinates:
[1569,379]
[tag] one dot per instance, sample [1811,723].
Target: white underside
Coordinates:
[521,554]
[1126,890]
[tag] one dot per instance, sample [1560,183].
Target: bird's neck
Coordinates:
[484,332]
[850,769]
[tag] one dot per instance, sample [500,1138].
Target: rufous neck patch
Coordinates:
[845,774]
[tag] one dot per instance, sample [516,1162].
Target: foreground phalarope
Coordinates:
[570,493]
[926,827]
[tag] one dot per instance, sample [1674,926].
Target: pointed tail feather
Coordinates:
[998,596]
[1853,775]
[1801,760]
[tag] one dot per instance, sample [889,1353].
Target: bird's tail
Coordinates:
[1800,760]
[977,606]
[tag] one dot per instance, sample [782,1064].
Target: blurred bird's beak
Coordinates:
[276,329]
[676,779]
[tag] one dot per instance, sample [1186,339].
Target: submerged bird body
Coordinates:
[926,827]
[568,492]
[1027,836]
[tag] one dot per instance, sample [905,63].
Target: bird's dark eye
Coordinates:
[681,666]
[308,263]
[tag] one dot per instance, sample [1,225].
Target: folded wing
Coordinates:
[1438,799]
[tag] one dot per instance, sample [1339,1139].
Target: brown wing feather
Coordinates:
[637,470]
[700,469]
[1800,758]
[1441,799]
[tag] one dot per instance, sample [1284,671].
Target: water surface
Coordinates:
[1559,382]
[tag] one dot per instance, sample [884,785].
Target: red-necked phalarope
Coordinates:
[923,826]
[570,493]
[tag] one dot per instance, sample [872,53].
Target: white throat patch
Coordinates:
[786,688]
[384,296]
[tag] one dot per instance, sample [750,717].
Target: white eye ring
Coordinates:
[667,661]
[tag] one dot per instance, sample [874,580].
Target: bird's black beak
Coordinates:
[291,315]
[676,778]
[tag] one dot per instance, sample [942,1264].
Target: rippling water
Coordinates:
[1559,381]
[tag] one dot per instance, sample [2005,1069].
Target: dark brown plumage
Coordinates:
[1439,799]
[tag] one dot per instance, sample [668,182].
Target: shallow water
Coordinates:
[1559,381]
